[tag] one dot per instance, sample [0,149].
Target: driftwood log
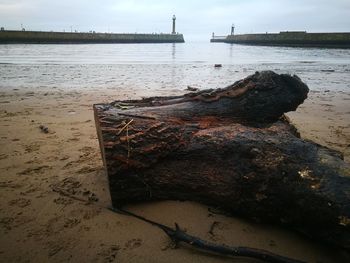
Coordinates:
[230,148]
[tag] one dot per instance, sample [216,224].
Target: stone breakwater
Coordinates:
[41,37]
[296,38]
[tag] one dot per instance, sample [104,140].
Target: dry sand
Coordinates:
[39,223]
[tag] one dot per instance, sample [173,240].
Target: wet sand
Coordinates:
[54,193]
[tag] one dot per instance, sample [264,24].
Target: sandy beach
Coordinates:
[55,198]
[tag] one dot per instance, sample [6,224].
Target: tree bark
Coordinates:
[230,148]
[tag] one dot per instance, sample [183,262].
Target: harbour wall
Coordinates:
[42,37]
[299,38]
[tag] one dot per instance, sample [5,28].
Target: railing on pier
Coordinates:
[218,37]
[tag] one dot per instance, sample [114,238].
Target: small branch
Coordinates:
[177,235]
[125,126]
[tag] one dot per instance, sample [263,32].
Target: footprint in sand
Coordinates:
[73,140]
[20,202]
[9,184]
[32,147]
[133,243]
[89,214]
[71,188]
[87,170]
[86,152]
[64,157]
[35,170]
[87,149]
[9,114]
[3,156]
[63,201]
[70,164]
[59,223]
[71,222]
[54,249]
[30,189]
[6,222]
[9,223]
[33,161]
[69,185]
[107,254]
[77,134]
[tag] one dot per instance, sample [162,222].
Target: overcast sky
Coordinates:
[197,19]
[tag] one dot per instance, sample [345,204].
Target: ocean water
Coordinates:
[165,68]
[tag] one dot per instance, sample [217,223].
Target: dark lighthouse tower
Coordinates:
[174,18]
[233,29]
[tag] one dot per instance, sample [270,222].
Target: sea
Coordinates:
[164,68]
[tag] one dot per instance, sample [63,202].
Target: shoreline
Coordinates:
[39,224]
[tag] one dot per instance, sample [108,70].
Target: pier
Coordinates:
[49,37]
[40,37]
[289,38]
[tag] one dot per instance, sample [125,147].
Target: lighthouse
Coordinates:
[232,29]
[174,18]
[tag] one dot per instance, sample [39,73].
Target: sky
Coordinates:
[196,19]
